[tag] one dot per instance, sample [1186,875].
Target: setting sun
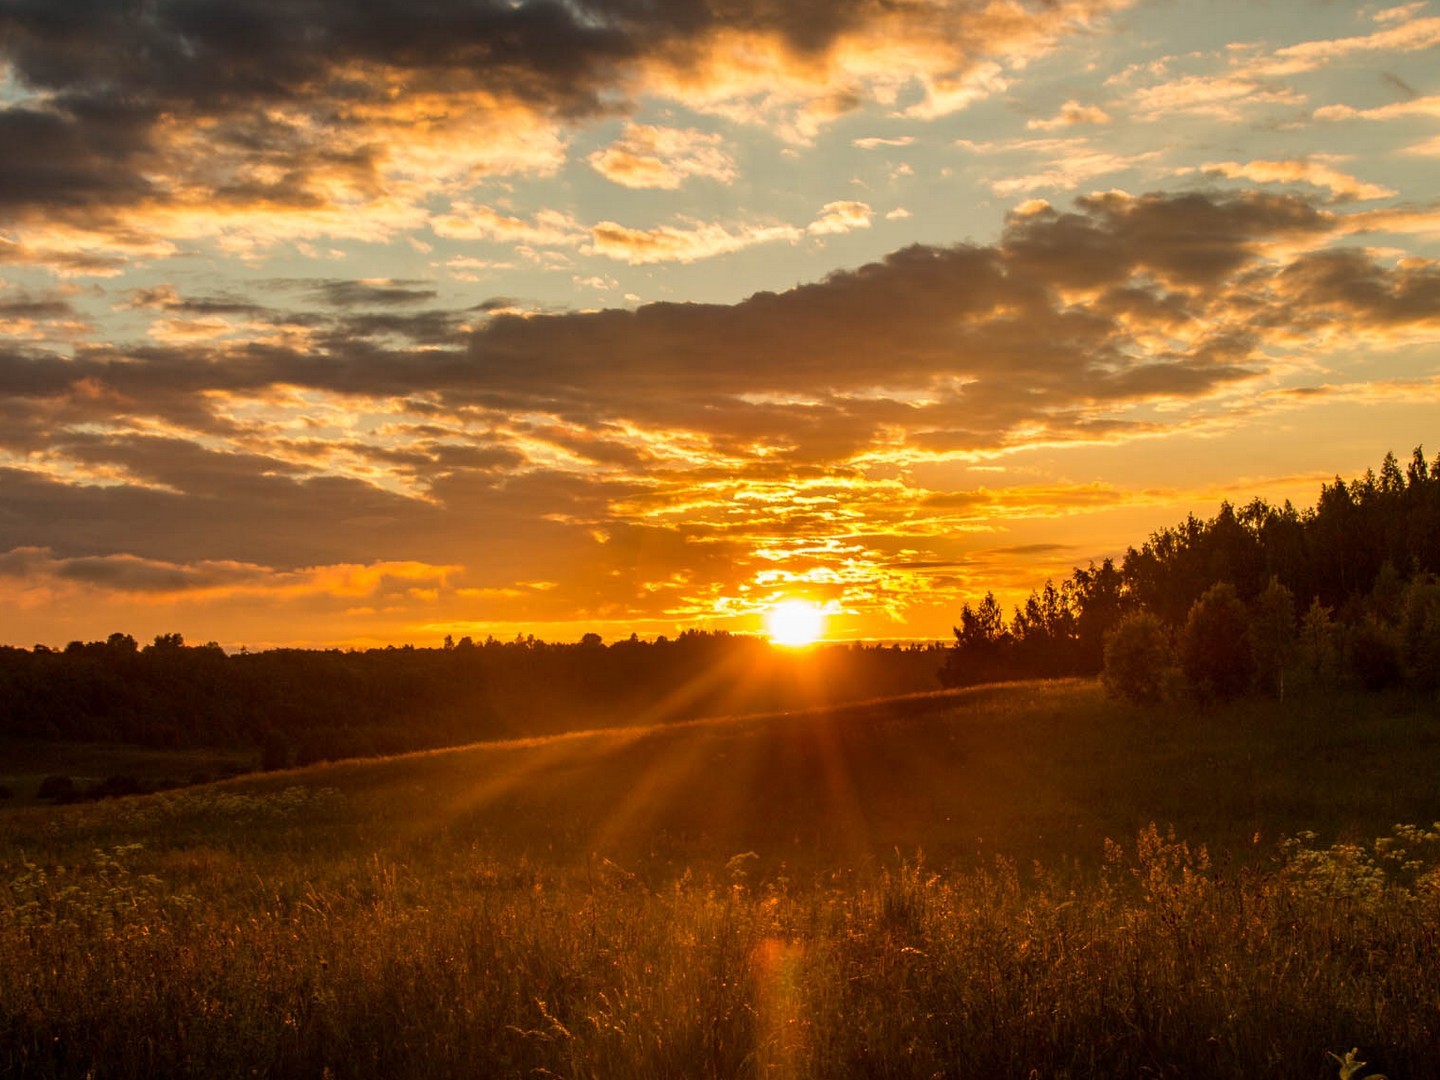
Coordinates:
[795,622]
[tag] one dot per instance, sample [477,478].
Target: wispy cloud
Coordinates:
[841,217]
[1071,114]
[654,157]
[685,242]
[1316,172]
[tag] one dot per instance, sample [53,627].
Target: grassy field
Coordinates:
[916,887]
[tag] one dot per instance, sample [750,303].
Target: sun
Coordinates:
[795,622]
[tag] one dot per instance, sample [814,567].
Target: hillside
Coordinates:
[1025,770]
[839,892]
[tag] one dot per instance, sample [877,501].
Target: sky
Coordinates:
[338,324]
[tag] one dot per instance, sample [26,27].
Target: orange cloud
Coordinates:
[681,243]
[656,157]
[1071,114]
[472,221]
[1315,172]
[841,217]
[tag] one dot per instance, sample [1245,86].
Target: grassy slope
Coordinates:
[1039,770]
[566,904]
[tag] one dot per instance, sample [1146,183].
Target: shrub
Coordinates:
[1420,627]
[1139,660]
[1216,652]
[1272,621]
[1373,655]
[58,788]
[1318,648]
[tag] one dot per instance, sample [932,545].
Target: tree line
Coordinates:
[296,706]
[1256,598]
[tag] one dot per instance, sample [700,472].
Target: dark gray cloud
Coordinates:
[91,154]
[1187,239]
[124,573]
[370,293]
[215,55]
[1395,82]
[188,56]
[1032,549]
[435,327]
[430,327]
[40,308]
[1348,286]
[115,76]
[272,520]
[165,298]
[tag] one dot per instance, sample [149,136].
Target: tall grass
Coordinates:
[324,926]
[139,963]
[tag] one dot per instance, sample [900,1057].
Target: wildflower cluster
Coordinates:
[101,895]
[1405,864]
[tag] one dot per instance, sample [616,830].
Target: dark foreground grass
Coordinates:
[591,907]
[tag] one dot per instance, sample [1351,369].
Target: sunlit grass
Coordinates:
[453,963]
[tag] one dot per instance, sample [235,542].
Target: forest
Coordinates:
[299,705]
[1259,599]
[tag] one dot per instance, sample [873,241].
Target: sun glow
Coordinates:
[795,622]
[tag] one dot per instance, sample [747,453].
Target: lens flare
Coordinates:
[795,622]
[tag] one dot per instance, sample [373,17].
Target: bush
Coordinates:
[1373,655]
[1421,631]
[1272,622]
[59,788]
[1139,661]
[1318,649]
[1216,652]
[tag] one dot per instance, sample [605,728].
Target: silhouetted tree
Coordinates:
[1354,552]
[1373,653]
[1317,648]
[982,644]
[1216,654]
[1139,659]
[1420,631]
[1272,627]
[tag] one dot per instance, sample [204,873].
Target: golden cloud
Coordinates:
[1317,172]
[1071,114]
[841,217]
[654,157]
[686,242]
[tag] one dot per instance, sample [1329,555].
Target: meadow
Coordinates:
[1025,879]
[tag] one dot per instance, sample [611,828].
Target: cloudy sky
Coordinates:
[338,323]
